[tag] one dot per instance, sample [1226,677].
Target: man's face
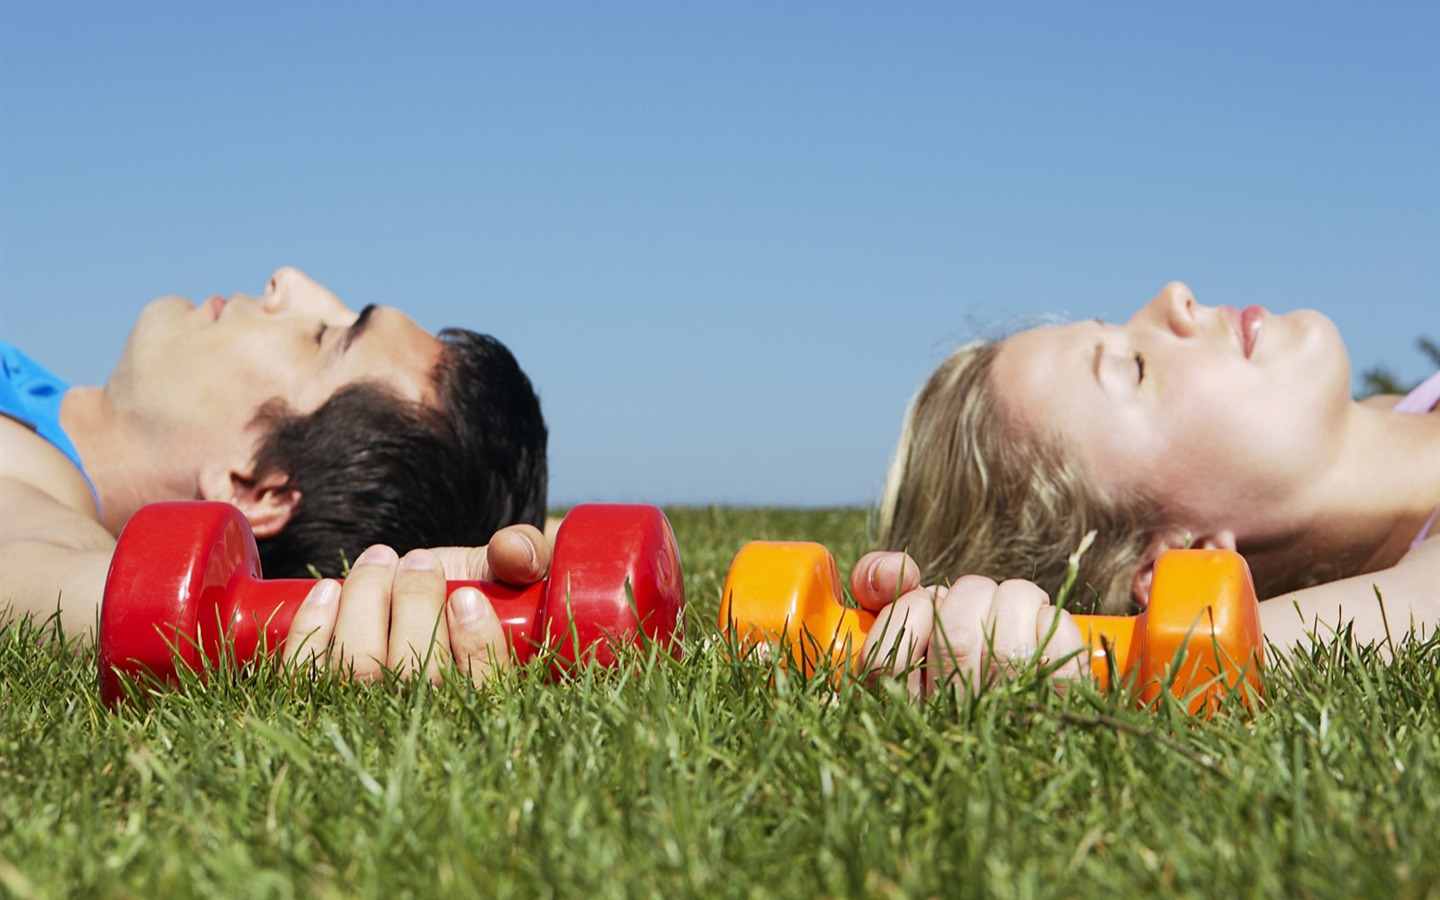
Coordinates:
[202,372]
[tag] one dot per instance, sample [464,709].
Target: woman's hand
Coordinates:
[970,632]
[392,612]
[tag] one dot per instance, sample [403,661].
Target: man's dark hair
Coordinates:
[374,468]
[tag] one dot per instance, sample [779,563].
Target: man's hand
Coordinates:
[970,632]
[393,613]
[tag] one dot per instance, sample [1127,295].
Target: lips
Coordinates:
[1244,325]
[1250,321]
[215,304]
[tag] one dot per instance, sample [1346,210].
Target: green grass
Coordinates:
[715,777]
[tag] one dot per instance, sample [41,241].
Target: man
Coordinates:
[332,430]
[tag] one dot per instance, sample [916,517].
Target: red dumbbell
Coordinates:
[184,586]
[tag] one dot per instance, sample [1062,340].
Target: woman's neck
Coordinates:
[1367,510]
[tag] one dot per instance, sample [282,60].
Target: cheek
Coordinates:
[1267,417]
[1172,453]
[1117,452]
[1222,459]
[244,374]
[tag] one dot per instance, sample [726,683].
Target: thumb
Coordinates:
[518,555]
[881,576]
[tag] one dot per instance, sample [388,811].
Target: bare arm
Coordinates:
[54,553]
[1390,602]
[51,557]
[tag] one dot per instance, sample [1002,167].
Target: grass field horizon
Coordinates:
[717,776]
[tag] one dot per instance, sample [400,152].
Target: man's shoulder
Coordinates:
[28,459]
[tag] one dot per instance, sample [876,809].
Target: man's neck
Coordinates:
[129,465]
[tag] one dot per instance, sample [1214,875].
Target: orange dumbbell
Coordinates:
[1200,634]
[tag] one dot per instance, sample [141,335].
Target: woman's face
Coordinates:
[1209,410]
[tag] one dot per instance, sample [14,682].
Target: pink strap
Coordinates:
[1425,532]
[1422,400]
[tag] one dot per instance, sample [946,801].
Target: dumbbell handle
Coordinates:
[1110,638]
[1112,641]
[256,613]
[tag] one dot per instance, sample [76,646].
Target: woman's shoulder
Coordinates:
[1382,401]
[1423,398]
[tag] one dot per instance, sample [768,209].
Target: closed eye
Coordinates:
[1140,364]
[320,334]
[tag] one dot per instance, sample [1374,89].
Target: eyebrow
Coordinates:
[354,331]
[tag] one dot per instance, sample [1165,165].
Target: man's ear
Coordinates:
[268,502]
[1173,539]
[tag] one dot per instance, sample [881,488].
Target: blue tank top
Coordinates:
[31,395]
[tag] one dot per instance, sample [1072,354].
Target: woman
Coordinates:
[1185,426]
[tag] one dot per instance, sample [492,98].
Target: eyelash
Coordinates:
[1140,363]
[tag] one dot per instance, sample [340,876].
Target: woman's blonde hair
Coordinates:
[972,490]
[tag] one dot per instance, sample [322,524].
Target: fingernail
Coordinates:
[419,561]
[326,593]
[379,554]
[467,604]
[529,548]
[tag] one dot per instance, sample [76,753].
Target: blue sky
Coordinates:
[728,241]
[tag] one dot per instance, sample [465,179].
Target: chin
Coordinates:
[171,303]
[1320,343]
[160,315]
[157,328]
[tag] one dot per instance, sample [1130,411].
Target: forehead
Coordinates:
[1037,372]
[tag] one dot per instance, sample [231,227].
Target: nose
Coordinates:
[1174,309]
[291,290]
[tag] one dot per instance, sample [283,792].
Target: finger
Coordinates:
[895,645]
[314,624]
[881,576]
[419,636]
[1010,625]
[957,644]
[463,563]
[477,639]
[363,628]
[1065,640]
[519,555]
